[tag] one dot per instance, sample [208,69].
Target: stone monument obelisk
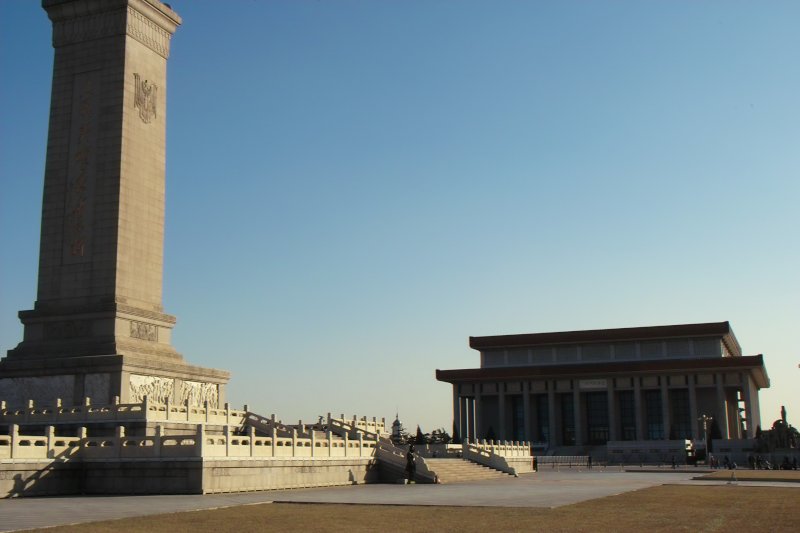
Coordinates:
[98,327]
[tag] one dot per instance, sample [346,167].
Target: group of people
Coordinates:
[713,462]
[760,463]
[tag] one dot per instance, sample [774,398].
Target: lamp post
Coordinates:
[705,419]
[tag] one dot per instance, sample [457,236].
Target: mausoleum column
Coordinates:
[463,429]
[471,420]
[721,416]
[457,411]
[665,406]
[637,408]
[477,413]
[693,416]
[577,412]
[552,439]
[613,433]
[501,411]
[750,393]
[526,409]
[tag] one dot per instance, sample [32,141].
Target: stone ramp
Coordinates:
[459,470]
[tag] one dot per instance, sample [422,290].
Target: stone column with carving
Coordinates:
[98,315]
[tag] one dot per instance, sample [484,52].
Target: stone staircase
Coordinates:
[456,470]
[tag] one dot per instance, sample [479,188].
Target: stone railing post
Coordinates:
[227,434]
[274,437]
[200,440]
[206,407]
[120,437]
[157,441]
[251,432]
[28,410]
[361,444]
[246,408]
[227,413]
[145,406]
[51,435]
[56,410]
[346,443]
[329,438]
[294,442]
[329,419]
[186,406]
[14,431]
[168,408]
[83,435]
[313,442]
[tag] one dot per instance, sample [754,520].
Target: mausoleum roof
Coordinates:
[721,329]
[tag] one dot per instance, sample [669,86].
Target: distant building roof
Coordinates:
[722,329]
[752,363]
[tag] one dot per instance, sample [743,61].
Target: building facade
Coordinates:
[580,388]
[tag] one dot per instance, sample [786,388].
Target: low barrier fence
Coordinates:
[199,445]
[562,460]
[120,412]
[504,448]
[374,428]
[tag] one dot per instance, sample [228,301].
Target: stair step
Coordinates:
[455,470]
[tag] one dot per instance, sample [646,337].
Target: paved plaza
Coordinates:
[545,489]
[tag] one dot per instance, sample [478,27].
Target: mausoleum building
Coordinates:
[582,388]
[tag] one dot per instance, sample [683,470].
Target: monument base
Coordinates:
[104,377]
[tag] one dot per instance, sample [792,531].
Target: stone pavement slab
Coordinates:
[544,489]
[29,513]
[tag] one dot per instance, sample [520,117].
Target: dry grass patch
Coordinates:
[756,475]
[664,508]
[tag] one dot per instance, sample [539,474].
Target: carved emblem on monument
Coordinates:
[145,332]
[144,98]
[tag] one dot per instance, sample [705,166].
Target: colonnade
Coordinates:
[659,407]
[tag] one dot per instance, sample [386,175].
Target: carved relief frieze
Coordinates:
[117,22]
[75,30]
[197,393]
[148,33]
[156,389]
[144,331]
[42,390]
[144,98]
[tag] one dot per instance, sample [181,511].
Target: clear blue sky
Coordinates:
[355,187]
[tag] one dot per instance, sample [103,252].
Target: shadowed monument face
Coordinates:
[98,327]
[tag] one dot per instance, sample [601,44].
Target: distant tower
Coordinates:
[98,327]
[398,433]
